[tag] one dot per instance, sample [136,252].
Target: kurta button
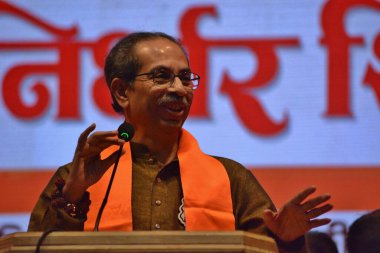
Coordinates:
[158,202]
[157,226]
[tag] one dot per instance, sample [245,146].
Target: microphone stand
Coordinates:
[96,228]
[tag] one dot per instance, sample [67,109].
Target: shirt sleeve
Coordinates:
[249,201]
[248,197]
[44,216]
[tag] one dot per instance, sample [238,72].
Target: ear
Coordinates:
[119,89]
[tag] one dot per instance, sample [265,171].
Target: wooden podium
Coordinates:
[147,242]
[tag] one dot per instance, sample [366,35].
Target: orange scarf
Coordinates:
[205,183]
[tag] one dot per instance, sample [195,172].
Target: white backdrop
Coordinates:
[317,133]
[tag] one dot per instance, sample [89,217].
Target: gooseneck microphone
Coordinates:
[125,132]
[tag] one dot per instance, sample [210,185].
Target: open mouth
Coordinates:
[175,108]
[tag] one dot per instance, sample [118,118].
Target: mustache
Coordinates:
[173,98]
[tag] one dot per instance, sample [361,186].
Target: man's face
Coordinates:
[156,108]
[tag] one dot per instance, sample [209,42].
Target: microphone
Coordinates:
[125,132]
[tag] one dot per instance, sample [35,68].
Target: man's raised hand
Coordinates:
[87,165]
[298,216]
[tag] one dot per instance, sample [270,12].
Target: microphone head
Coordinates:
[126,131]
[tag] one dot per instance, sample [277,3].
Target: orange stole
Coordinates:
[205,183]
[117,214]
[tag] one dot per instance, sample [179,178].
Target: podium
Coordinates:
[139,242]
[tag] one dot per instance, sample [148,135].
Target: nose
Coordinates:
[177,87]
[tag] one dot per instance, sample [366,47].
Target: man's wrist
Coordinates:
[292,246]
[289,246]
[77,209]
[71,193]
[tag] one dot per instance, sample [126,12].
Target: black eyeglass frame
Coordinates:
[196,78]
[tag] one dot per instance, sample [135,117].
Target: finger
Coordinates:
[83,136]
[94,173]
[104,143]
[269,219]
[103,134]
[111,159]
[318,211]
[303,195]
[95,150]
[315,201]
[268,216]
[105,139]
[319,222]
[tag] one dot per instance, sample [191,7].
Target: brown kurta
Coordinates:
[157,195]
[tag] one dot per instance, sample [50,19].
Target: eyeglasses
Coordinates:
[161,77]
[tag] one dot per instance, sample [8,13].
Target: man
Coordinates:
[364,234]
[164,181]
[318,242]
